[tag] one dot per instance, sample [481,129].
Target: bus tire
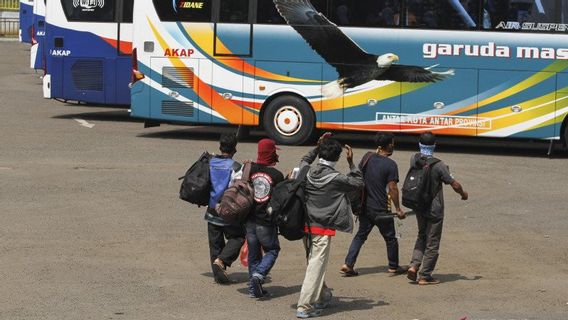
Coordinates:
[566,133]
[289,120]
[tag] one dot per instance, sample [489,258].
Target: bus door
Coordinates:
[516,103]
[232,45]
[448,106]
[176,97]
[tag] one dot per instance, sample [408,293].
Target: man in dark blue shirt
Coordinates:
[381,178]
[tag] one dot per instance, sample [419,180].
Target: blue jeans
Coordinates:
[265,238]
[387,229]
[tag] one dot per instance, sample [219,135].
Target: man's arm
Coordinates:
[459,189]
[311,156]
[394,194]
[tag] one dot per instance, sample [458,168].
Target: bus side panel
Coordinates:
[55,66]
[447,107]
[122,73]
[175,94]
[331,114]
[26,20]
[519,104]
[266,88]
[84,79]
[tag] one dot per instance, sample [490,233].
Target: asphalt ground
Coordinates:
[91,226]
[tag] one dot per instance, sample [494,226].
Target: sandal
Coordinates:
[348,272]
[412,274]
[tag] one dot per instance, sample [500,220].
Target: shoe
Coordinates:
[219,273]
[325,302]
[347,271]
[412,274]
[428,280]
[256,287]
[308,314]
[399,270]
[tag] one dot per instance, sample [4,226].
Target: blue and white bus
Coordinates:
[88,51]
[472,68]
[37,54]
[26,17]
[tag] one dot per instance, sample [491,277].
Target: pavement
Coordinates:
[91,226]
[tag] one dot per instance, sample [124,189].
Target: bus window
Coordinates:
[89,10]
[526,15]
[445,14]
[127,6]
[183,10]
[267,13]
[234,11]
[366,13]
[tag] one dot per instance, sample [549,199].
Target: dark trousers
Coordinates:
[387,230]
[426,249]
[227,252]
[259,238]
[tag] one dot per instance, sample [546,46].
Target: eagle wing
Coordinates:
[402,73]
[324,36]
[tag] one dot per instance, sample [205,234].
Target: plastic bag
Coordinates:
[244,254]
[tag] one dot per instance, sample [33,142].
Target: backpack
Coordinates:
[357,197]
[196,183]
[237,201]
[288,206]
[417,193]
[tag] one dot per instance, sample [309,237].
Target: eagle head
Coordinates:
[386,60]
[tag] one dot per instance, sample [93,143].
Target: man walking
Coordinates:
[430,221]
[381,177]
[328,210]
[223,169]
[262,234]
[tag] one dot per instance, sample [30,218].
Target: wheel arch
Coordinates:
[563,134]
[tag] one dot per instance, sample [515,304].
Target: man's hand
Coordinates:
[400,214]
[323,137]
[465,195]
[349,154]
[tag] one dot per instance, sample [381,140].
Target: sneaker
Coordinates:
[256,287]
[308,314]
[219,272]
[428,280]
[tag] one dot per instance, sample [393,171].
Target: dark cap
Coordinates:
[267,152]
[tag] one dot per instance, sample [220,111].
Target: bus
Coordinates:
[88,51]
[37,55]
[26,16]
[476,68]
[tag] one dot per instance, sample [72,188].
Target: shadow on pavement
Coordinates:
[346,304]
[275,291]
[451,277]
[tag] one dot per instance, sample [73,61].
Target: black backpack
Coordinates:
[288,206]
[196,185]
[417,193]
[357,197]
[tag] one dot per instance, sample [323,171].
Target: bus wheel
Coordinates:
[566,135]
[289,120]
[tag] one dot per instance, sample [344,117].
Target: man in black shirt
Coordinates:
[262,234]
[381,177]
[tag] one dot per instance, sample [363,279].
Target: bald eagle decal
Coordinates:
[354,65]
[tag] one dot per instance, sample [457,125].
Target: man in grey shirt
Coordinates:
[430,221]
